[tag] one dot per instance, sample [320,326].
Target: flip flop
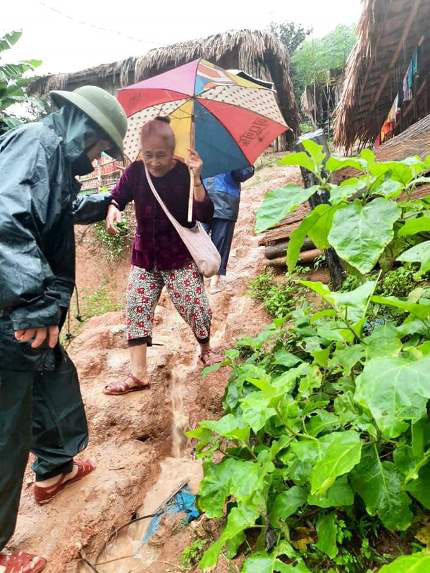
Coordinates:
[43,495]
[21,562]
[120,388]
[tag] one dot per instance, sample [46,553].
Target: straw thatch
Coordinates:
[258,53]
[388,33]
[413,141]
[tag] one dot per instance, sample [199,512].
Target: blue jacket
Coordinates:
[224,190]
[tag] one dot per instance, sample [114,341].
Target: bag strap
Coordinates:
[171,218]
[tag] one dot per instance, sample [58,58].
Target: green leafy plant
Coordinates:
[367,218]
[98,302]
[278,297]
[114,245]
[325,426]
[13,81]
[192,554]
[324,447]
[399,282]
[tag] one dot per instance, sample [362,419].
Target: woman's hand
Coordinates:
[194,162]
[112,220]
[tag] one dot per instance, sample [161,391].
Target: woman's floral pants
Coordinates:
[186,290]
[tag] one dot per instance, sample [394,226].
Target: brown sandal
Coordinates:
[21,562]
[120,388]
[44,495]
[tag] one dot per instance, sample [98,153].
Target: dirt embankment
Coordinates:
[134,436]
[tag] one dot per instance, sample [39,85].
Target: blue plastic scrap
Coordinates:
[183,502]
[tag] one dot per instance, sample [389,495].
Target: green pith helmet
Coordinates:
[102,107]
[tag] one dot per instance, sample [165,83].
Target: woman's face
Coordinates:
[157,155]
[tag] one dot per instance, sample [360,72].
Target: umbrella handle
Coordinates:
[191,197]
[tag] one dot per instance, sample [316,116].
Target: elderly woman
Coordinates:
[160,257]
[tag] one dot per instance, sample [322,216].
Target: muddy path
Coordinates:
[137,440]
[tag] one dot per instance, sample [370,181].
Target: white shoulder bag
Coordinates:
[197,241]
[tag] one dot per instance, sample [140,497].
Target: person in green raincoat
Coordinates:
[41,407]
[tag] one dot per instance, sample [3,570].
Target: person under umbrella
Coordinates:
[224,190]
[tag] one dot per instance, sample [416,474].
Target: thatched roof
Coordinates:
[413,141]
[388,33]
[258,53]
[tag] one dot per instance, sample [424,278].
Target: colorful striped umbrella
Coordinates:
[228,119]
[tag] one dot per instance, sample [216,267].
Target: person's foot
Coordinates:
[215,284]
[209,357]
[20,562]
[46,490]
[130,384]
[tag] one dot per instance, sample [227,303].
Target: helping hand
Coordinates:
[113,218]
[194,162]
[39,335]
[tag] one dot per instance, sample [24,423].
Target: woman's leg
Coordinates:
[187,292]
[143,292]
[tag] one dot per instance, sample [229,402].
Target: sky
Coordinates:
[69,36]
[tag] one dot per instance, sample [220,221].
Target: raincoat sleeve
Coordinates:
[26,280]
[89,209]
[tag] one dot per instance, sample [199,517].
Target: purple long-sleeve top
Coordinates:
[157,245]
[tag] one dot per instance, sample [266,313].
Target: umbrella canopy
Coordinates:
[230,120]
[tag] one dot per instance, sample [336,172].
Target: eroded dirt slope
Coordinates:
[131,435]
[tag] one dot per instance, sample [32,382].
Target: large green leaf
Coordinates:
[390,189]
[300,159]
[417,563]
[360,234]
[397,170]
[301,459]
[316,153]
[335,163]
[384,341]
[9,39]
[340,494]
[327,534]
[299,235]
[418,254]
[321,422]
[419,488]
[339,453]
[348,188]
[351,305]
[347,357]
[379,484]
[284,358]
[262,562]
[286,504]
[396,391]
[256,410]
[279,203]
[419,310]
[229,426]
[414,226]
[239,478]
[239,519]
[318,233]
